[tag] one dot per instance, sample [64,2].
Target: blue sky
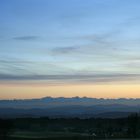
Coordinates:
[70,40]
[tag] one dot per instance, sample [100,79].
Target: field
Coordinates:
[53,136]
[70,128]
[61,138]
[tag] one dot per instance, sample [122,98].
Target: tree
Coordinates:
[5,126]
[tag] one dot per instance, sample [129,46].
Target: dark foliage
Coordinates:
[5,127]
[93,127]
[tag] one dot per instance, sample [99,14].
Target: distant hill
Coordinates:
[69,107]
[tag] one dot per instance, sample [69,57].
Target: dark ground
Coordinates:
[70,128]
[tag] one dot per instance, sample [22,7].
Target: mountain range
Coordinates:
[82,107]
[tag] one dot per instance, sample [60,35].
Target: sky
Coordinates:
[69,48]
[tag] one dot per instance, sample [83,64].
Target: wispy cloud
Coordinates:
[64,50]
[94,78]
[26,38]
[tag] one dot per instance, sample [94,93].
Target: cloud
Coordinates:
[26,38]
[101,43]
[14,66]
[64,50]
[95,78]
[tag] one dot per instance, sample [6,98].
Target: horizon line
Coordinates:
[125,98]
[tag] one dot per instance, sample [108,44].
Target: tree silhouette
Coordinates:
[133,125]
[5,126]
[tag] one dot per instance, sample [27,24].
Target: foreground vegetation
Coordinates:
[70,129]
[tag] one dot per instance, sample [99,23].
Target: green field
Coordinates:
[61,138]
[25,135]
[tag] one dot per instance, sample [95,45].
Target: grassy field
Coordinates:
[50,135]
[25,135]
[42,135]
[61,138]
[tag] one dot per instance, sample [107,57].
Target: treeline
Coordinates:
[128,127]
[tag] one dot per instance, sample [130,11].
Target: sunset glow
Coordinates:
[95,91]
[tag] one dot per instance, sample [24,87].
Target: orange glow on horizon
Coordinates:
[95,91]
